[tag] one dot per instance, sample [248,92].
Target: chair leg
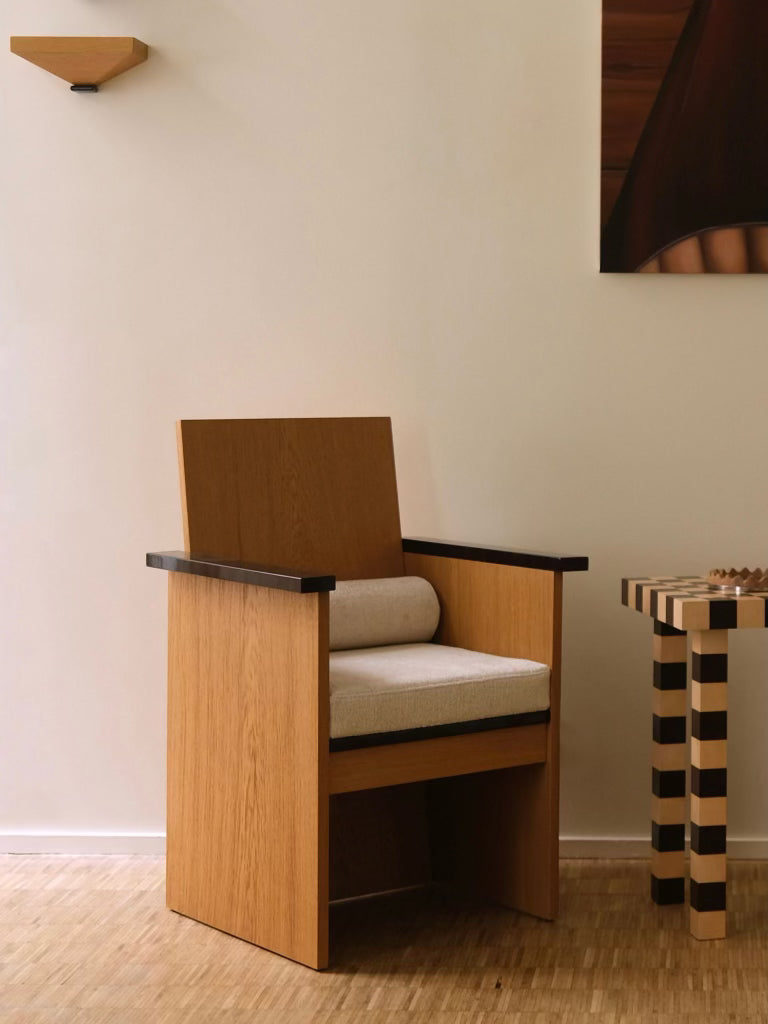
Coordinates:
[495,835]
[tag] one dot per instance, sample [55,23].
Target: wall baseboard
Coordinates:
[617,847]
[153,844]
[90,843]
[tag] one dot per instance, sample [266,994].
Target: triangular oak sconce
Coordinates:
[84,61]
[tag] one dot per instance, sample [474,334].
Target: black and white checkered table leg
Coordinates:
[669,806]
[709,713]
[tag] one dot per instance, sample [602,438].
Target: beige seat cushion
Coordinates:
[411,686]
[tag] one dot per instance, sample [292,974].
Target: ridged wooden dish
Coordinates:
[740,581]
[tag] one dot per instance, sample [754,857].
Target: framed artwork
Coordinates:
[685,136]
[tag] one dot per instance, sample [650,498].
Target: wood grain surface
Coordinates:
[398,763]
[499,609]
[321,494]
[499,830]
[308,494]
[81,60]
[88,941]
[248,712]
[639,37]
[379,841]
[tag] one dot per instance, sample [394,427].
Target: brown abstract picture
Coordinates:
[685,136]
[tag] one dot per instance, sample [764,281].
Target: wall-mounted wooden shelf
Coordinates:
[84,61]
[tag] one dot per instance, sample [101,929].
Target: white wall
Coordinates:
[298,208]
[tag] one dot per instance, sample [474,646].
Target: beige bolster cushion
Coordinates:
[376,613]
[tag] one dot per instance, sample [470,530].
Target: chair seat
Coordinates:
[414,686]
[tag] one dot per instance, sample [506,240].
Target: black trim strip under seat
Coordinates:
[499,556]
[428,732]
[275,577]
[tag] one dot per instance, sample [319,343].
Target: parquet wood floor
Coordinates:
[87,940]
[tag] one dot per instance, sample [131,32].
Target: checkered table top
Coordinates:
[688,602]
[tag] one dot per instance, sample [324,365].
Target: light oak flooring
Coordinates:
[87,940]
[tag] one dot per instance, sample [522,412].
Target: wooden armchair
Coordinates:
[266,822]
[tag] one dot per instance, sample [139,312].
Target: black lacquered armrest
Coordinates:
[500,556]
[242,572]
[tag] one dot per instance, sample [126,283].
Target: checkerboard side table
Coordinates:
[680,605]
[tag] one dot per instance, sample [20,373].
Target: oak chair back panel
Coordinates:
[301,493]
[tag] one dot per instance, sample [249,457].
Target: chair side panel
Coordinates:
[496,833]
[248,763]
[499,609]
